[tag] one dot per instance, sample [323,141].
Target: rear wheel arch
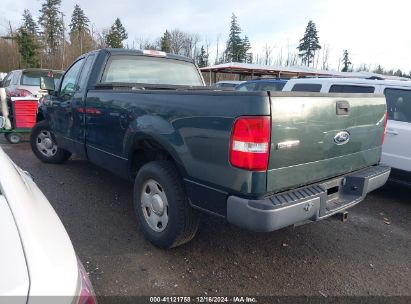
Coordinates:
[146,149]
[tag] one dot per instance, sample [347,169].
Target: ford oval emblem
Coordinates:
[342,138]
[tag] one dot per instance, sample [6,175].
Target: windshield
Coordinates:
[151,70]
[32,78]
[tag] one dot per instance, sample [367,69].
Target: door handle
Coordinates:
[392,132]
[343,107]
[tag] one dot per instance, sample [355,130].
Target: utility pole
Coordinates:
[64,41]
[218,42]
[12,38]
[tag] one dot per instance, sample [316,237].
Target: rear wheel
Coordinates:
[13,138]
[162,207]
[44,145]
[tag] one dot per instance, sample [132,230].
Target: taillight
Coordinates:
[385,128]
[86,295]
[250,143]
[18,93]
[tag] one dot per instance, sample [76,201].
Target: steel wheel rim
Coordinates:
[14,138]
[154,205]
[45,144]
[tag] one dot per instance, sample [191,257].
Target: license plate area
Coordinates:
[335,196]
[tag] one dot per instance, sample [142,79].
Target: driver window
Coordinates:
[68,85]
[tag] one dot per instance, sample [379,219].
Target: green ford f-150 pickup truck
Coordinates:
[262,160]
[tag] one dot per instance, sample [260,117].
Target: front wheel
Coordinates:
[44,145]
[162,207]
[13,138]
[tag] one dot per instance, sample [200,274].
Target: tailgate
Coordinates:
[319,136]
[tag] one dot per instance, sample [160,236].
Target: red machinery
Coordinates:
[23,118]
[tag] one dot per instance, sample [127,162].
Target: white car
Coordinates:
[396,151]
[37,259]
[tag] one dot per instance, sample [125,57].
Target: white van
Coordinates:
[397,145]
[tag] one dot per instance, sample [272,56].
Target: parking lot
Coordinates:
[370,254]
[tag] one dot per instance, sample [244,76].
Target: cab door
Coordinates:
[61,116]
[397,145]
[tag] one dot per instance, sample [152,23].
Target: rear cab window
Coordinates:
[307,87]
[398,104]
[343,88]
[151,70]
[15,78]
[32,78]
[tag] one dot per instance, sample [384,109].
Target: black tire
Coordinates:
[58,157]
[13,138]
[183,220]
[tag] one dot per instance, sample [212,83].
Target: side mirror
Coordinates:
[47,83]
[2,122]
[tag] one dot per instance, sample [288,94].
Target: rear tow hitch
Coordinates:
[342,216]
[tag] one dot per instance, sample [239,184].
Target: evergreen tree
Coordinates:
[28,47]
[27,41]
[346,62]
[165,42]
[245,55]
[116,35]
[79,27]
[202,58]
[29,24]
[309,44]
[379,70]
[51,24]
[398,73]
[235,46]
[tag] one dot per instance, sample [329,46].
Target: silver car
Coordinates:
[37,260]
[22,83]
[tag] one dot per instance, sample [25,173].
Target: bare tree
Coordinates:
[190,45]
[268,52]
[177,40]
[217,59]
[325,57]
[97,38]
[184,43]
[292,56]
[144,43]
[207,45]
[9,54]
[8,51]
[363,68]
[279,60]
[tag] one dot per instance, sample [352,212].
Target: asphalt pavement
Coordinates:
[370,254]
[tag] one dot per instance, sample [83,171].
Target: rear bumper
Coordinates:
[310,203]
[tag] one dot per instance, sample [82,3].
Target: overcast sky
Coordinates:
[373,33]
